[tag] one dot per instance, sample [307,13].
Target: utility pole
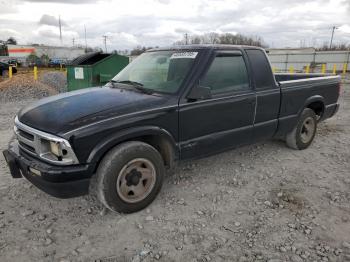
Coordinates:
[105,42]
[60,27]
[73,40]
[85,38]
[333,29]
[186,38]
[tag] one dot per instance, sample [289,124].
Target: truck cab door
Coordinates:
[268,95]
[224,117]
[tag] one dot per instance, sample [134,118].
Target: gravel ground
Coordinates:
[23,86]
[57,80]
[262,202]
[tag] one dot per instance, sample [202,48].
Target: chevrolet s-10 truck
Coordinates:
[169,104]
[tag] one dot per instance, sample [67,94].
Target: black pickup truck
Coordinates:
[169,104]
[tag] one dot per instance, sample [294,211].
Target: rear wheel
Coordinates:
[303,134]
[129,177]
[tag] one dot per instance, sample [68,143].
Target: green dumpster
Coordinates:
[94,69]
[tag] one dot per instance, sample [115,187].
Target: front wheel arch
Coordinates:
[158,138]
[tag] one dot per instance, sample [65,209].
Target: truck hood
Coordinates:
[65,112]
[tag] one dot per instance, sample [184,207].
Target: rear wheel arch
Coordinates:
[315,103]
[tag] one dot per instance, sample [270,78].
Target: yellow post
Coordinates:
[10,72]
[334,69]
[35,73]
[273,69]
[345,68]
[323,68]
[291,69]
[307,70]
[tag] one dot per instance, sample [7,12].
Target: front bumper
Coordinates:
[58,181]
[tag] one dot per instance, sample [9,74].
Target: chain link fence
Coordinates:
[327,61]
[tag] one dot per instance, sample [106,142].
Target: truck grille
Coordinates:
[26,139]
[38,143]
[28,147]
[26,135]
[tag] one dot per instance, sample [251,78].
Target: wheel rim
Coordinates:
[136,180]
[307,130]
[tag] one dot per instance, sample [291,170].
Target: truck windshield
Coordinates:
[160,71]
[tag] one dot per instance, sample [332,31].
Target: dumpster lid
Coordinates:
[89,58]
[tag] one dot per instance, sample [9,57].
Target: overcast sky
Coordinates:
[128,23]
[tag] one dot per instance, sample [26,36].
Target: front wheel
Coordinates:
[129,177]
[303,134]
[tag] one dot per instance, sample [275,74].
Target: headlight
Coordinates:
[55,148]
[58,151]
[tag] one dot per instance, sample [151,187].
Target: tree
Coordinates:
[33,59]
[335,47]
[90,49]
[226,38]
[3,49]
[123,52]
[11,41]
[139,50]
[45,60]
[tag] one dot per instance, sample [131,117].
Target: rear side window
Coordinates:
[226,73]
[262,74]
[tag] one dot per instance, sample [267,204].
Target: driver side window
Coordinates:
[227,73]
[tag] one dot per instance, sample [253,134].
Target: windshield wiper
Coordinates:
[134,84]
[113,82]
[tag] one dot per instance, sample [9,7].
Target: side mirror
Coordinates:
[199,93]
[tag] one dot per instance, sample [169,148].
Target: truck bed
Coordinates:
[300,89]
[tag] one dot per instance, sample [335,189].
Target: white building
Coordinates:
[54,52]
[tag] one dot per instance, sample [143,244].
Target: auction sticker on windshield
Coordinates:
[191,55]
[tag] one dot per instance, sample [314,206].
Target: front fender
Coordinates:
[124,135]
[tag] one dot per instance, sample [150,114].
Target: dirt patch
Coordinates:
[288,198]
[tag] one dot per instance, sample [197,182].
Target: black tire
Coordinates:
[303,134]
[112,177]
